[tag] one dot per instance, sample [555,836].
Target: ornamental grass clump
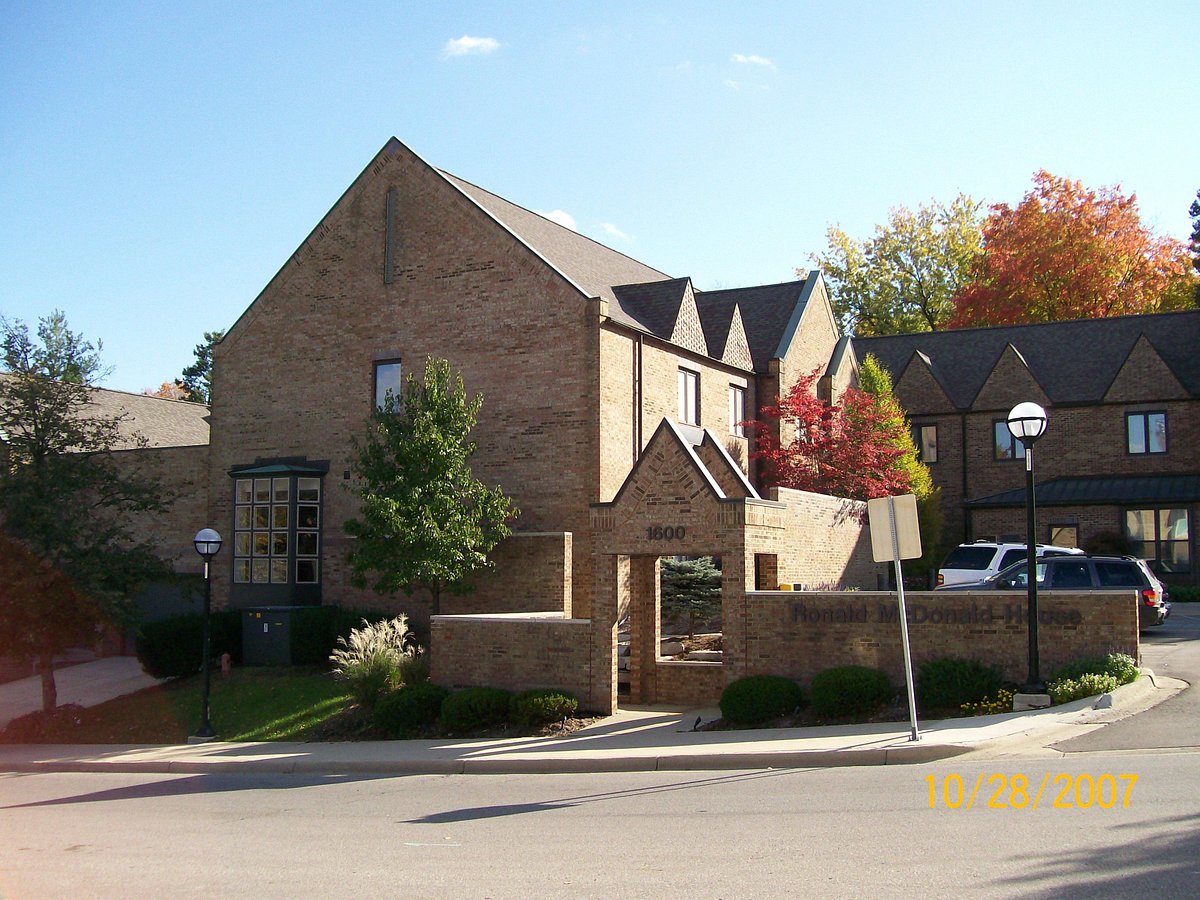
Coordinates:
[376,659]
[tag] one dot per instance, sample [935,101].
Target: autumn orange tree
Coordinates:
[1067,252]
[847,449]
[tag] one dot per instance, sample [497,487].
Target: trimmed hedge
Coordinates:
[474,708]
[760,698]
[542,706]
[951,683]
[401,713]
[849,691]
[174,647]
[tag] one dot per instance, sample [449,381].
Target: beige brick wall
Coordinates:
[294,376]
[532,574]
[514,652]
[184,476]
[799,635]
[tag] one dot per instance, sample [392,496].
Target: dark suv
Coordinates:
[1086,573]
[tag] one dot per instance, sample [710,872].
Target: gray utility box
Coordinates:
[267,635]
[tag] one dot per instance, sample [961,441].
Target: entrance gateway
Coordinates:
[686,496]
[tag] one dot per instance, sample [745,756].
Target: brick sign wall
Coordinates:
[801,634]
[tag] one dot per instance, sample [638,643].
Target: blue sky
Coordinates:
[160,161]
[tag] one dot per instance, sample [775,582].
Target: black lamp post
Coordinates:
[1027,423]
[208,545]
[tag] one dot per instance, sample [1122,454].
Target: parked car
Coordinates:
[1085,573]
[976,561]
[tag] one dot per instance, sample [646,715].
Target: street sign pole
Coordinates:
[908,674]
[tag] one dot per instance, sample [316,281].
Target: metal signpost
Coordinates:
[896,535]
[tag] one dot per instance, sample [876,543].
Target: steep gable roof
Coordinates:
[588,264]
[1073,362]
[766,311]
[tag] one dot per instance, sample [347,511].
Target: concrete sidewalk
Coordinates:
[87,684]
[640,739]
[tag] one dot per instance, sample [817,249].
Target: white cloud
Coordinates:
[467,45]
[562,218]
[733,85]
[752,60]
[614,231]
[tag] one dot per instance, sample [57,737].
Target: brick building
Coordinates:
[1119,464]
[580,352]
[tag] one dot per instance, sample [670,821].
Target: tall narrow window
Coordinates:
[737,410]
[926,439]
[387,381]
[1146,432]
[1005,446]
[689,397]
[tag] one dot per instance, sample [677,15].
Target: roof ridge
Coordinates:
[579,234]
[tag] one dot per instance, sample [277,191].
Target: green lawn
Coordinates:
[250,704]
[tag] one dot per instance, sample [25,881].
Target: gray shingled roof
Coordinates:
[766,311]
[1074,362]
[163,423]
[590,265]
[654,306]
[640,296]
[1102,489]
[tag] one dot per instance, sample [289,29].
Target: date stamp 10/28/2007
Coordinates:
[1003,791]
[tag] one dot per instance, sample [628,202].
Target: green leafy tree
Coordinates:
[875,380]
[197,378]
[905,278]
[425,520]
[691,588]
[63,496]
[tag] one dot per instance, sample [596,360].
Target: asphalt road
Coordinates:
[1173,650]
[883,831]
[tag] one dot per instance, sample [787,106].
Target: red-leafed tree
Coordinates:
[1066,252]
[847,449]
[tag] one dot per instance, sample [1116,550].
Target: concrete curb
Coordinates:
[674,751]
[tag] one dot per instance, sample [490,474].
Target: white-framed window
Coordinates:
[737,410]
[1146,432]
[689,397]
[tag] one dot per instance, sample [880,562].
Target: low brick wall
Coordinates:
[801,634]
[688,683]
[513,651]
[532,574]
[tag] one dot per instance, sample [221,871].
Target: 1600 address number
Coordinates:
[666,532]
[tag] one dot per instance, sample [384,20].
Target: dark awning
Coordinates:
[1155,490]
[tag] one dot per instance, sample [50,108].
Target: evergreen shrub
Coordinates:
[849,691]
[174,647]
[542,706]
[949,683]
[760,698]
[474,708]
[402,713]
